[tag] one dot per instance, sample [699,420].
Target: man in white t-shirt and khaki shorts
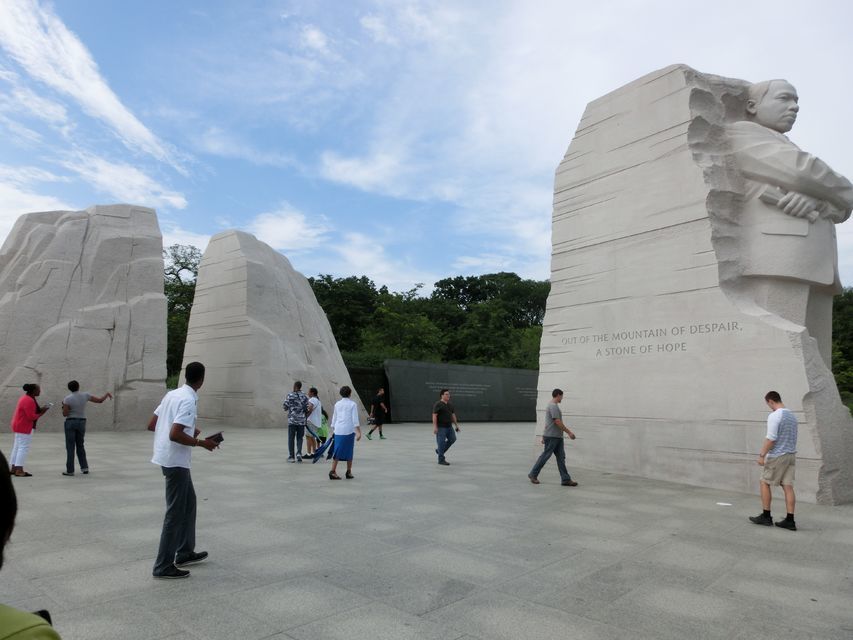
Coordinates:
[778,457]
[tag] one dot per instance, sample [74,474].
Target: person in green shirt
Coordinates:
[14,623]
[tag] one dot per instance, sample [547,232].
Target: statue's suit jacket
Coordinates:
[771,242]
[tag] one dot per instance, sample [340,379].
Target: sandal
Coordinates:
[333,476]
[350,476]
[23,474]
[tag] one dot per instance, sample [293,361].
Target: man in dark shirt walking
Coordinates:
[378,411]
[443,422]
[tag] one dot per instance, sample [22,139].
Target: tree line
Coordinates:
[493,319]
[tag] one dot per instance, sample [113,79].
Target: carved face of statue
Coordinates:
[778,108]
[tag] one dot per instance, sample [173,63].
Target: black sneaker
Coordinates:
[85,471]
[193,558]
[444,463]
[172,573]
[298,457]
[767,521]
[65,473]
[790,525]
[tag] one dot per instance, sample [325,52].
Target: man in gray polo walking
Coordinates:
[552,436]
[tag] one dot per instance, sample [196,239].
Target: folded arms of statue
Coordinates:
[768,157]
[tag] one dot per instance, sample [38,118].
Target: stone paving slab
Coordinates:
[409,549]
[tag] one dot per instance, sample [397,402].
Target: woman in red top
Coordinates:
[24,420]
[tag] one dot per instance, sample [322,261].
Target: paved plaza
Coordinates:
[409,549]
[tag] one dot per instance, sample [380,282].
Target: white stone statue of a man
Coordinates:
[793,200]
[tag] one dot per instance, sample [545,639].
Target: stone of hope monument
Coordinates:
[693,269]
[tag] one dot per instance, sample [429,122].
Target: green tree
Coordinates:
[525,299]
[399,330]
[842,344]
[181,268]
[493,319]
[486,319]
[349,304]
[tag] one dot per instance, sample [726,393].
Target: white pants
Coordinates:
[20,449]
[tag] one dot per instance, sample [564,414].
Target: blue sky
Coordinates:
[403,140]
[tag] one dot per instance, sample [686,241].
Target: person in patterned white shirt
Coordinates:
[297,406]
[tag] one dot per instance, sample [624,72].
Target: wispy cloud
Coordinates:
[289,230]
[314,39]
[216,141]
[378,172]
[378,30]
[41,43]
[124,182]
[360,253]
[24,176]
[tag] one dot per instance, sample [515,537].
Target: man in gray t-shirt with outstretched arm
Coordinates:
[74,410]
[552,436]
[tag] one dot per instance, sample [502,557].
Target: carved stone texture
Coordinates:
[664,369]
[81,298]
[257,327]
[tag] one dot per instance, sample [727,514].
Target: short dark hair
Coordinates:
[556,392]
[194,372]
[8,504]
[73,386]
[30,388]
[346,391]
[772,396]
[313,390]
[442,392]
[297,385]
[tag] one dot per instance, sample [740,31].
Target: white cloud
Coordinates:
[378,172]
[174,234]
[359,253]
[22,176]
[377,28]
[124,182]
[289,230]
[225,144]
[21,135]
[314,39]
[17,200]
[39,41]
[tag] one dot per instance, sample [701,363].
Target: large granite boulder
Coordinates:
[81,297]
[257,327]
[669,316]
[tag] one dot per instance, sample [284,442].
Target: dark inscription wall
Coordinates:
[480,394]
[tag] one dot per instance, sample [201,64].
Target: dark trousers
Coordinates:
[178,535]
[295,432]
[75,432]
[445,438]
[557,448]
